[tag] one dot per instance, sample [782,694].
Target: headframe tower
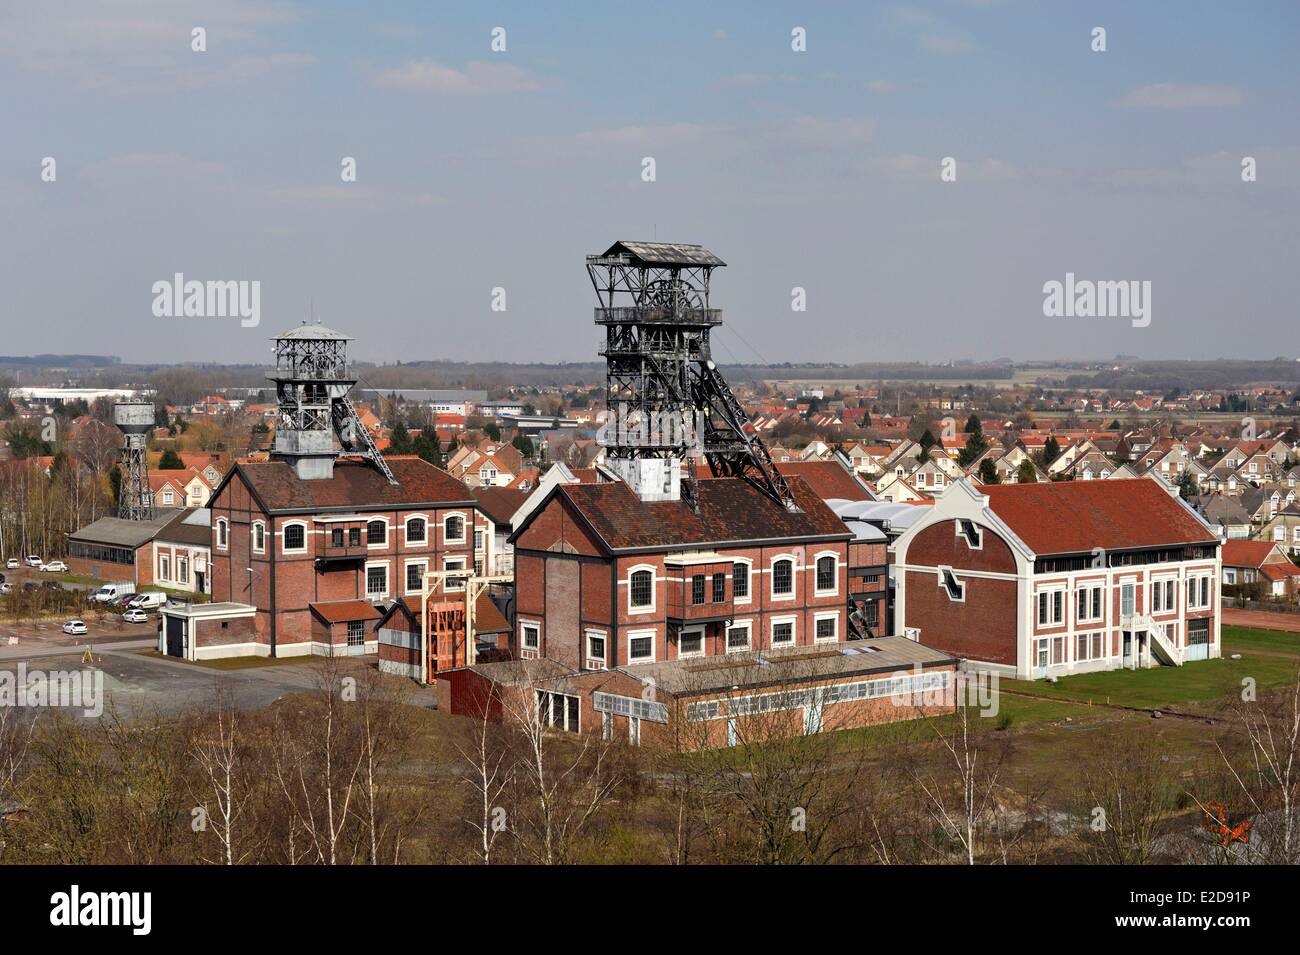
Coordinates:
[135,420]
[664,394]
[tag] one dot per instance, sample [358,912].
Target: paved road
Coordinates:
[139,684]
[1263,619]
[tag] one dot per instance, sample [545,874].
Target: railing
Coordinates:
[647,314]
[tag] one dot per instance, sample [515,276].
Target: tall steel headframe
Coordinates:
[135,419]
[654,306]
[312,384]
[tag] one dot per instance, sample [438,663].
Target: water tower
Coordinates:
[311,387]
[135,420]
[654,306]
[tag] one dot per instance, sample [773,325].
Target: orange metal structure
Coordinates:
[447,644]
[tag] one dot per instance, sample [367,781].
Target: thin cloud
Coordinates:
[426,76]
[1181,96]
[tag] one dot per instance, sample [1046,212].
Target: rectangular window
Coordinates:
[719,588]
[453,584]
[414,578]
[182,570]
[641,588]
[376,533]
[825,573]
[827,628]
[530,636]
[641,648]
[558,710]
[336,537]
[376,581]
[739,580]
[697,589]
[690,643]
[738,637]
[356,633]
[295,537]
[164,568]
[595,650]
[1127,599]
[782,633]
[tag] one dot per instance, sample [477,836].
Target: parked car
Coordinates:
[34,560]
[75,627]
[135,615]
[6,588]
[55,567]
[148,600]
[12,563]
[124,600]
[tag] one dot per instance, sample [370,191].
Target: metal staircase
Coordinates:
[348,421]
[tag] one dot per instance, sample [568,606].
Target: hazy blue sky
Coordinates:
[819,169]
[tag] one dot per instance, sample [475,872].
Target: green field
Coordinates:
[1239,639]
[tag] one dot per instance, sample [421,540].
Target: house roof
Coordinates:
[730,510]
[355,484]
[1070,517]
[830,479]
[1239,553]
[119,532]
[499,503]
[345,611]
[184,529]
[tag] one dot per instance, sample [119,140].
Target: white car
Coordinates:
[55,567]
[74,627]
[34,560]
[11,563]
[6,588]
[148,600]
[135,615]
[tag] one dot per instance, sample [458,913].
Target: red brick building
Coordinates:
[313,557]
[1063,577]
[604,578]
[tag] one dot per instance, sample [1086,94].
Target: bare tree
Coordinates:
[489,775]
[218,750]
[1127,796]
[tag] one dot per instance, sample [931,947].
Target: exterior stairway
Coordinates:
[1160,645]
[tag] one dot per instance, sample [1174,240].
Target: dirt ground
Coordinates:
[1263,619]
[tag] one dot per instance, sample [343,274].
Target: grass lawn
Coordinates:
[1250,638]
[1164,687]
[230,663]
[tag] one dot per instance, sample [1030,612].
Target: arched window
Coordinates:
[259,536]
[453,529]
[376,532]
[642,588]
[826,573]
[415,530]
[783,576]
[223,532]
[295,537]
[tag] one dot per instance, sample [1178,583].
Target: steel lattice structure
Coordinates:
[135,420]
[654,306]
[311,387]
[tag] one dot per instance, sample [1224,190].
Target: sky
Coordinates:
[819,169]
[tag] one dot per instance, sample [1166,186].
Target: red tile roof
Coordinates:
[1072,517]
[344,611]
[355,484]
[829,479]
[1238,553]
[731,510]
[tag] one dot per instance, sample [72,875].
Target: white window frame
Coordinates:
[749,577]
[979,534]
[943,584]
[817,591]
[525,625]
[164,567]
[388,589]
[654,589]
[223,534]
[686,654]
[1038,613]
[588,656]
[748,627]
[794,577]
[1087,588]
[406,530]
[306,537]
[653,636]
[252,536]
[464,527]
[827,615]
[168,498]
[454,586]
[794,632]
[388,532]
[423,564]
[1160,585]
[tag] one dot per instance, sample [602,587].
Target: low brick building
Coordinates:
[689,705]
[116,549]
